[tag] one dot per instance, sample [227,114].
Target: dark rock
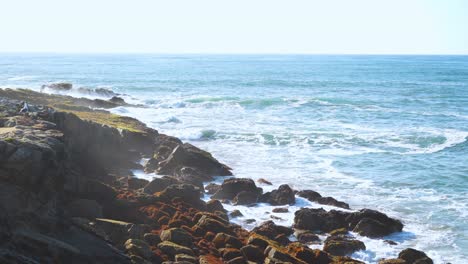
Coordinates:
[413,256]
[136,183]
[60,86]
[280,210]
[307,237]
[207,223]
[235,213]
[138,230]
[270,230]
[173,249]
[184,258]
[159,184]
[320,220]
[314,196]
[246,198]
[212,188]
[138,247]
[214,205]
[152,239]
[342,245]
[252,253]
[117,100]
[221,240]
[238,260]
[233,186]
[309,195]
[178,236]
[187,192]
[282,196]
[263,181]
[392,261]
[85,208]
[372,223]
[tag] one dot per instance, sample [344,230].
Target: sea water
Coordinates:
[381,132]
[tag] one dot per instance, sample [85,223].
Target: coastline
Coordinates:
[164,219]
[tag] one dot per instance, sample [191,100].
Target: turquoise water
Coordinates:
[383,132]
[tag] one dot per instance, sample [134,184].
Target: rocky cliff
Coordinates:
[67,196]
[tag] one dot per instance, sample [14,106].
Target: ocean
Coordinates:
[380,132]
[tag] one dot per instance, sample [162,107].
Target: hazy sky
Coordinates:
[235,26]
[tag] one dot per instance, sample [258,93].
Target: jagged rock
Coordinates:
[314,196]
[214,205]
[342,245]
[246,198]
[307,237]
[85,208]
[319,219]
[212,188]
[136,183]
[138,247]
[159,184]
[282,196]
[187,192]
[233,186]
[187,155]
[207,223]
[222,240]
[274,232]
[253,253]
[178,236]
[235,213]
[413,256]
[173,249]
[372,223]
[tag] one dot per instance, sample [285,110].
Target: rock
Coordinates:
[246,198]
[117,100]
[392,261]
[252,253]
[341,245]
[117,231]
[214,205]
[282,196]
[309,195]
[339,231]
[235,213]
[275,254]
[212,188]
[230,253]
[263,181]
[187,192]
[238,260]
[60,86]
[173,249]
[138,230]
[152,239]
[319,219]
[187,155]
[85,208]
[372,223]
[192,175]
[280,210]
[159,184]
[314,196]
[250,221]
[104,92]
[136,183]
[233,186]
[307,237]
[222,240]
[207,223]
[413,256]
[138,247]
[185,258]
[178,236]
[270,230]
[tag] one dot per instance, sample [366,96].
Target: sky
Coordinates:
[235,26]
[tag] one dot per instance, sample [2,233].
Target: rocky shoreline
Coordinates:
[68,196]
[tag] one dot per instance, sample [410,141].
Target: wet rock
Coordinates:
[280,210]
[104,92]
[319,219]
[314,196]
[212,188]
[246,198]
[272,231]
[214,205]
[151,239]
[207,223]
[117,100]
[238,260]
[282,196]
[372,223]
[85,208]
[136,183]
[138,247]
[413,256]
[250,221]
[185,258]
[342,245]
[178,236]
[60,86]
[187,192]
[173,249]
[392,261]
[339,231]
[309,195]
[275,255]
[159,184]
[263,181]
[307,237]
[233,186]
[138,230]
[235,213]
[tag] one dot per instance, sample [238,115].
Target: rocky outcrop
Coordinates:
[234,186]
[314,196]
[282,196]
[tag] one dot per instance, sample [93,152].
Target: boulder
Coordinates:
[59,86]
[138,247]
[280,210]
[159,184]
[413,256]
[184,258]
[372,223]
[178,236]
[173,249]
[307,237]
[246,198]
[392,261]
[274,232]
[264,181]
[342,245]
[233,186]
[210,224]
[212,188]
[252,253]
[319,219]
[152,239]
[282,196]
[314,196]
[235,213]
[222,240]
[117,100]
[136,183]
[214,205]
